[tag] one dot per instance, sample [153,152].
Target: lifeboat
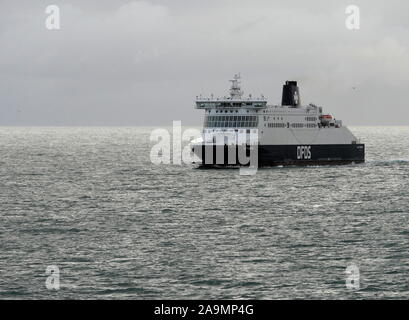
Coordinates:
[326,119]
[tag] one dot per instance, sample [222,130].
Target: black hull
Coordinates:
[284,155]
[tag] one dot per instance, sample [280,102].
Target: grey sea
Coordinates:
[90,202]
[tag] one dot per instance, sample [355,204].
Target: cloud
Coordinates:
[143,62]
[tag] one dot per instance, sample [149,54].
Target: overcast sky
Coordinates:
[124,62]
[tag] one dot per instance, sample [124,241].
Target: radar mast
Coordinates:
[235,90]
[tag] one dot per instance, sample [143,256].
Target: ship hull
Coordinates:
[282,155]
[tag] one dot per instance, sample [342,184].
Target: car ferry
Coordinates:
[287,134]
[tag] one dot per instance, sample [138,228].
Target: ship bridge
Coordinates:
[235,100]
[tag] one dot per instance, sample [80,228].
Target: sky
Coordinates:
[128,62]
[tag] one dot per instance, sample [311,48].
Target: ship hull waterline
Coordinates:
[213,156]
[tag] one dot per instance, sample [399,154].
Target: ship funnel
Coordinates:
[291,95]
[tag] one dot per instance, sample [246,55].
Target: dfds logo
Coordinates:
[304,152]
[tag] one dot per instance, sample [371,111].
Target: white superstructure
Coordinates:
[287,124]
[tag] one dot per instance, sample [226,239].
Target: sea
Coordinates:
[85,214]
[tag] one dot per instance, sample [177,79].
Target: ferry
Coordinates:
[287,134]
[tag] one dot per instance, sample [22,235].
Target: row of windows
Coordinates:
[231,111]
[293,125]
[231,118]
[276,125]
[237,104]
[266,118]
[310,118]
[311,125]
[231,122]
[301,125]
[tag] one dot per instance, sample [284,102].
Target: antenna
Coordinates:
[235,90]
